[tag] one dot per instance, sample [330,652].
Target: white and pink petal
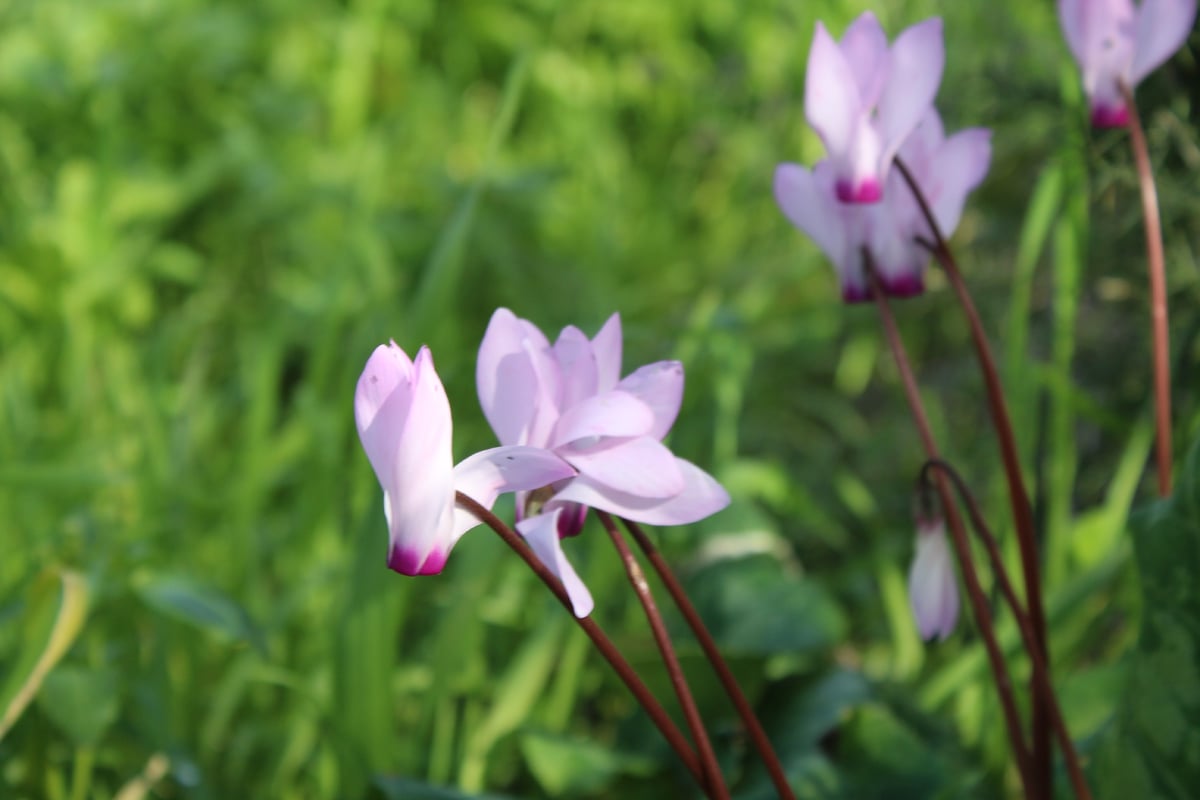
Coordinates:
[641,466]
[611,414]
[915,71]
[701,497]
[660,387]
[488,474]
[541,533]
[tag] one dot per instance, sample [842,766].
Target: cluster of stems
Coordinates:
[938,482]
[696,755]
[1033,757]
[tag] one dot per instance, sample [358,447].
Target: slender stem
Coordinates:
[658,714]
[708,759]
[962,547]
[757,735]
[1018,498]
[1041,677]
[1158,292]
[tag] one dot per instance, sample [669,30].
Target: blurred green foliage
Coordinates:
[210,212]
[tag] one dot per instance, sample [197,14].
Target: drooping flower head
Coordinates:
[568,398]
[946,169]
[863,98]
[403,420]
[932,590]
[1116,42]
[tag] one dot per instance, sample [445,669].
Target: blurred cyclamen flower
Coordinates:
[1116,42]
[403,420]
[864,97]
[946,169]
[932,590]
[568,398]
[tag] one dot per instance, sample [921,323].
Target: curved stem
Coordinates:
[1018,497]
[708,759]
[1158,292]
[628,675]
[962,547]
[757,735]
[1041,677]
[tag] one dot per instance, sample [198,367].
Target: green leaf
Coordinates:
[82,702]
[753,606]
[1153,748]
[406,789]
[205,607]
[570,767]
[54,616]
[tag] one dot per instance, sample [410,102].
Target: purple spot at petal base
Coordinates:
[409,562]
[855,294]
[869,191]
[1110,116]
[909,285]
[570,521]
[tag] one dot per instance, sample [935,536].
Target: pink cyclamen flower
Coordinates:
[403,420]
[946,169]
[1116,42]
[863,98]
[932,590]
[569,398]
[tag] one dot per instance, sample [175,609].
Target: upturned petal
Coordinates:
[488,474]
[832,103]
[606,347]
[864,98]
[701,496]
[577,365]
[915,71]
[932,590]
[616,413]
[946,169]
[1073,16]
[541,532]
[961,166]
[660,387]
[518,380]
[864,46]
[1162,28]
[642,466]
[505,378]
[807,199]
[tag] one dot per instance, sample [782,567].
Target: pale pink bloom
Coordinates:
[568,397]
[932,589]
[946,169]
[863,98]
[403,420]
[1116,42]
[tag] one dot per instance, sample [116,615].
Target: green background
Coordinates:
[211,212]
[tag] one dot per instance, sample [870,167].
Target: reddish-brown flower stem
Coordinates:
[757,735]
[1155,263]
[1044,686]
[628,675]
[1018,497]
[962,547]
[637,579]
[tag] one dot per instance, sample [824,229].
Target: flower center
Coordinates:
[537,499]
